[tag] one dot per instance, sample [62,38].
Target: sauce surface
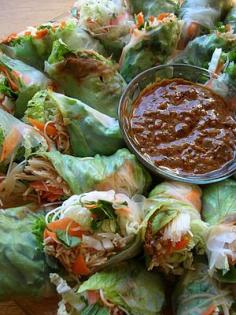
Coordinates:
[183,126]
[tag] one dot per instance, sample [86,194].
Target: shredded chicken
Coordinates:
[160,251]
[93,257]
[12,189]
[40,169]
[61,139]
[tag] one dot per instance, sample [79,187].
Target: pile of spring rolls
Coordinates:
[79,215]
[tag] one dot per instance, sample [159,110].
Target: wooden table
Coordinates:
[15,16]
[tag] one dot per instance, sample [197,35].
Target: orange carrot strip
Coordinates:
[182,243]
[139,19]
[79,267]
[162,16]
[48,233]
[38,185]
[50,130]
[210,310]
[13,85]
[193,197]
[65,224]
[10,143]
[41,33]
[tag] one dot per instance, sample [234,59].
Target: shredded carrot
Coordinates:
[50,197]
[179,245]
[182,244]
[210,310]
[10,143]
[44,187]
[93,296]
[139,19]
[41,33]
[47,192]
[80,267]
[13,85]
[162,16]
[50,130]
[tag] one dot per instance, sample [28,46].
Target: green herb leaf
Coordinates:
[38,229]
[66,239]
[102,210]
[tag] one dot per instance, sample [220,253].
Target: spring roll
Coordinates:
[152,43]
[87,76]
[219,210]
[94,230]
[73,126]
[107,20]
[154,8]
[197,294]
[199,52]
[124,289]
[34,45]
[173,229]
[19,82]
[53,176]
[25,272]
[200,16]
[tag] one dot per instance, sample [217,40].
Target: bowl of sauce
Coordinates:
[180,122]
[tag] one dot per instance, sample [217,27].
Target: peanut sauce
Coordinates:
[183,126]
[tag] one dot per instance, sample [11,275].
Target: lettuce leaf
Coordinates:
[120,171]
[219,202]
[180,191]
[129,286]
[87,76]
[90,131]
[76,38]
